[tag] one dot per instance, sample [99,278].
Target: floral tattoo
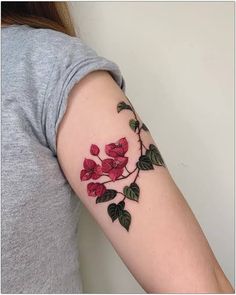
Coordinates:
[114,168]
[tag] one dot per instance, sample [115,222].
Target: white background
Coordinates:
[177,60]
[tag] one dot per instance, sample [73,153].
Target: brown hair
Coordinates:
[49,15]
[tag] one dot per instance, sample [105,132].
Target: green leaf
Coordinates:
[144,163]
[111,209]
[134,124]
[115,210]
[144,127]
[125,219]
[121,205]
[107,196]
[123,106]
[154,155]
[132,192]
[152,147]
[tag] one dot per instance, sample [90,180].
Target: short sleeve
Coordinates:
[74,61]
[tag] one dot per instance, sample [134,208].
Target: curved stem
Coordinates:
[136,175]
[120,178]
[122,195]
[144,146]
[123,177]
[138,133]
[140,142]
[99,158]
[105,175]
[127,169]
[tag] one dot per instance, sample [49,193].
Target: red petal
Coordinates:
[109,148]
[124,143]
[89,164]
[91,189]
[100,189]
[95,176]
[94,150]
[85,175]
[107,165]
[115,173]
[97,172]
[122,161]
[118,151]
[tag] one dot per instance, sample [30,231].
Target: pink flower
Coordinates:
[117,149]
[94,150]
[91,170]
[114,167]
[96,189]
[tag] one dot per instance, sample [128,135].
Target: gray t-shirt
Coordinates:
[39,209]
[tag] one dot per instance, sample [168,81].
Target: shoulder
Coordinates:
[54,43]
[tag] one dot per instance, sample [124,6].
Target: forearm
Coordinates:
[179,258]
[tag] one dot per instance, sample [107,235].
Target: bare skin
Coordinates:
[162,244]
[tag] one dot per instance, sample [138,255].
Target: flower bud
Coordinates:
[94,150]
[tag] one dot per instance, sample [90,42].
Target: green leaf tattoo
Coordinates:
[123,106]
[115,168]
[144,127]
[144,163]
[132,192]
[125,219]
[108,195]
[134,124]
[115,210]
[154,155]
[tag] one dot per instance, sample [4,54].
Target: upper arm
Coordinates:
[132,195]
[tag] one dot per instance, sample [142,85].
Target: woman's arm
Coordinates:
[127,188]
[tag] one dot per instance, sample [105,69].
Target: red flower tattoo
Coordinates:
[94,150]
[117,149]
[96,189]
[114,168]
[91,170]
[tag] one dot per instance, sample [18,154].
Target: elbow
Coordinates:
[223,283]
[215,283]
